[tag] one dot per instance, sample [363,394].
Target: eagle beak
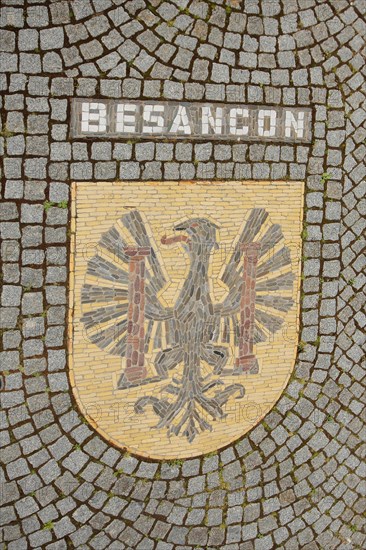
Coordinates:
[176,239]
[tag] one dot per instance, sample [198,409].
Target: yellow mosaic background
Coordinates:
[94,373]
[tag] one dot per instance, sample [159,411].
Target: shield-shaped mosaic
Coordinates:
[184,305]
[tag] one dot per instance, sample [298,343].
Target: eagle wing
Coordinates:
[274,281]
[104,295]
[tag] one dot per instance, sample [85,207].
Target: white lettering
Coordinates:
[215,121]
[297,125]
[267,116]
[157,121]
[126,118]
[93,117]
[181,122]
[233,121]
[209,121]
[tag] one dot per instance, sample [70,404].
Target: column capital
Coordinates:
[251,250]
[137,252]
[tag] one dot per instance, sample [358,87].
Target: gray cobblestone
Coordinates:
[129,170]
[252,53]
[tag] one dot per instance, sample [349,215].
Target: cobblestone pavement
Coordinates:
[297,480]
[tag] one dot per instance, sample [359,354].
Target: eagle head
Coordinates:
[197,234]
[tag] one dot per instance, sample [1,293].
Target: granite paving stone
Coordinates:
[295,480]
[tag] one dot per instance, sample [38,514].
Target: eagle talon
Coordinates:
[212,385]
[172,389]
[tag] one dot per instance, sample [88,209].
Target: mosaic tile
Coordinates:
[295,479]
[184,300]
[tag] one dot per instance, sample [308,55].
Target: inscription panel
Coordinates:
[182,120]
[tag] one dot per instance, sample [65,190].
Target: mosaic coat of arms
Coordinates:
[184,309]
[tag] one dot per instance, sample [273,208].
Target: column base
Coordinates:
[127,382]
[133,376]
[247,363]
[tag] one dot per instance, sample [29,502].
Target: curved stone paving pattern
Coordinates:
[296,481]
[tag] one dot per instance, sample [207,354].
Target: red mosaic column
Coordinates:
[135,371]
[247,362]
